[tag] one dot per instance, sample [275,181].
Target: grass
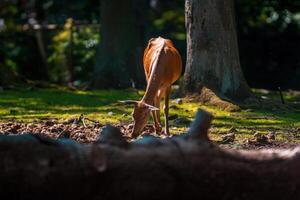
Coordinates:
[63,104]
[102,105]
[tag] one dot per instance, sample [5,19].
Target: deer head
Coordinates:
[140,115]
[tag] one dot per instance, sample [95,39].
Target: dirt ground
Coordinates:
[88,131]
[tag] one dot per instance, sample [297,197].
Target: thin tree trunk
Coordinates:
[119,56]
[70,55]
[43,54]
[212,50]
[39,34]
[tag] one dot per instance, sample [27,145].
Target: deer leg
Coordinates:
[166,110]
[156,124]
[156,115]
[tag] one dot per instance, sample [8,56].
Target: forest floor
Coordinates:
[58,113]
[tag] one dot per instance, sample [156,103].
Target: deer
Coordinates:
[162,66]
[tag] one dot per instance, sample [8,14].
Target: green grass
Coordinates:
[29,105]
[63,104]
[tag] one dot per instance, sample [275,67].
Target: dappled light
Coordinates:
[104,107]
[149,99]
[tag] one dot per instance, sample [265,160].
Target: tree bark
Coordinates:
[182,167]
[43,54]
[119,56]
[212,50]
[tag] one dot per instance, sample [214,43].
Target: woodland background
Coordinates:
[57,41]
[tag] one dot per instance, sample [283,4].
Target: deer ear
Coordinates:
[129,102]
[150,107]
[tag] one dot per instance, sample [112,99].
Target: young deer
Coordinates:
[163,66]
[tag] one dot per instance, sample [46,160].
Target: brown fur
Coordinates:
[163,66]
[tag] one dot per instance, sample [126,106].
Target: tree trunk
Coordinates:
[43,54]
[182,167]
[119,56]
[212,50]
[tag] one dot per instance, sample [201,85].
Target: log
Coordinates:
[188,166]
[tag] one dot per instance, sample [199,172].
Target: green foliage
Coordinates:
[8,49]
[18,45]
[167,19]
[81,57]
[171,22]
[276,15]
[86,40]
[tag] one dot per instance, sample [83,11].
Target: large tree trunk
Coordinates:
[212,50]
[182,167]
[119,56]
